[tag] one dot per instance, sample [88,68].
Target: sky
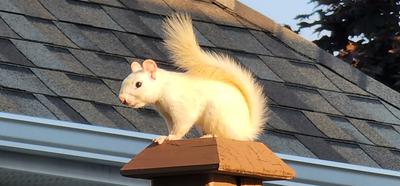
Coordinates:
[284,11]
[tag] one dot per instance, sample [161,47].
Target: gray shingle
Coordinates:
[388,133]
[297,97]
[152,22]
[299,73]
[153,6]
[99,114]
[146,24]
[10,54]
[395,111]
[145,120]
[396,127]
[275,122]
[22,103]
[113,85]
[50,57]
[292,120]
[6,31]
[230,38]
[279,93]
[277,48]
[103,65]
[348,128]
[107,2]
[338,128]
[270,101]
[338,100]
[27,7]
[313,100]
[383,156]
[77,87]
[382,91]
[143,47]
[205,11]
[21,78]
[80,12]
[254,63]
[337,65]
[360,107]
[321,148]
[94,39]
[60,109]
[79,35]
[285,144]
[354,154]
[296,42]
[327,126]
[131,21]
[36,29]
[340,82]
[373,135]
[201,39]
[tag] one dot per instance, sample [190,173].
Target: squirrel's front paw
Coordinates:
[161,139]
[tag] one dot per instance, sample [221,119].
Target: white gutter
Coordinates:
[92,145]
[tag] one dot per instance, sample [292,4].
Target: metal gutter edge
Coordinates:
[69,140]
[321,172]
[113,147]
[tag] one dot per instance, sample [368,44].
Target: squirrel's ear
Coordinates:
[135,66]
[151,67]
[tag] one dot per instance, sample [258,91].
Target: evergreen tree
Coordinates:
[365,33]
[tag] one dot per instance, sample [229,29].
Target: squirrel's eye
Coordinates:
[138,84]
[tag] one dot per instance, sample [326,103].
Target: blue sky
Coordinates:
[283,12]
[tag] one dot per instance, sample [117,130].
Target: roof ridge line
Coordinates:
[233,6]
[259,20]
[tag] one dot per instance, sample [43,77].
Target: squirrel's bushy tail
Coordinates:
[186,53]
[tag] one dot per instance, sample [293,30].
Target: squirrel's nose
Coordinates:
[122,99]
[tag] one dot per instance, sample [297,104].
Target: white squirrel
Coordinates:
[214,93]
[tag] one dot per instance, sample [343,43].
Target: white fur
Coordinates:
[215,93]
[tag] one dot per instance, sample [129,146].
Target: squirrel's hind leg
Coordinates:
[209,136]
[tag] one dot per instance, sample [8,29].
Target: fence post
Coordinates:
[207,162]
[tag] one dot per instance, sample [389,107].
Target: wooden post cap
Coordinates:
[208,155]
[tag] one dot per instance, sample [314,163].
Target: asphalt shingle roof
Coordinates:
[65,59]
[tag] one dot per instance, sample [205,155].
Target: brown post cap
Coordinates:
[208,155]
